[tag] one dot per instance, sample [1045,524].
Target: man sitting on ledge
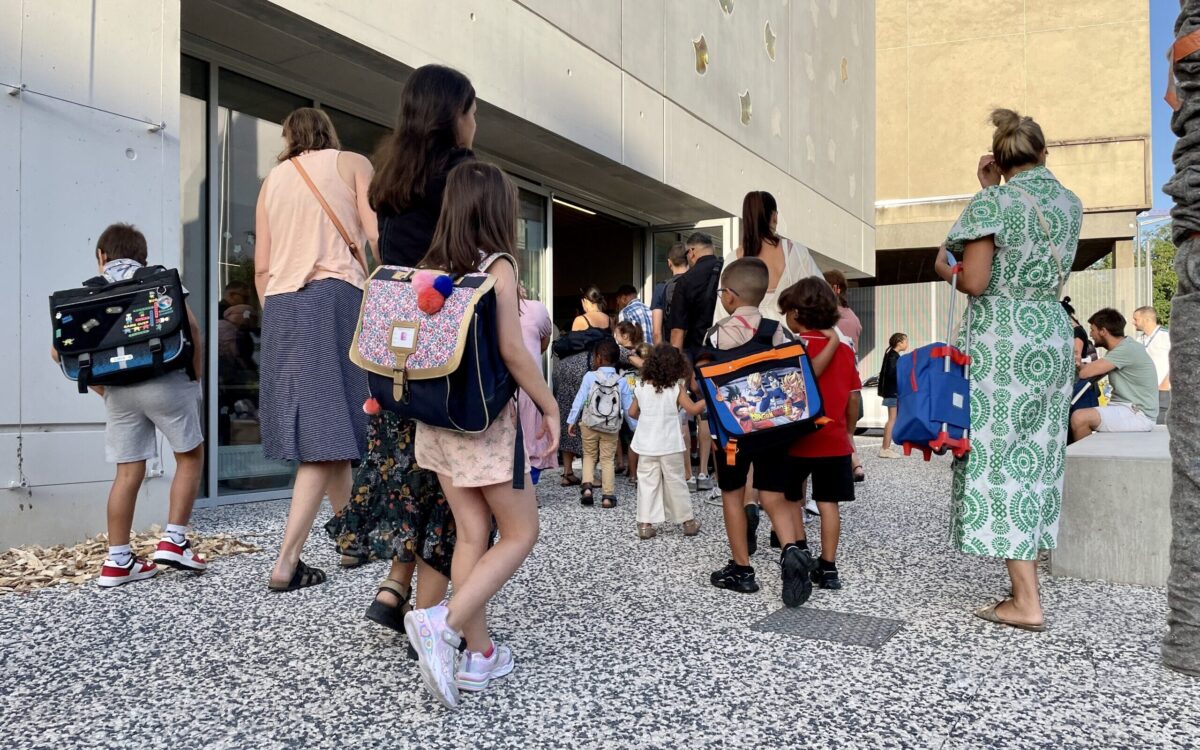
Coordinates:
[1133,406]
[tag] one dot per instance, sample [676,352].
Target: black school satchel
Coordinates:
[122,332]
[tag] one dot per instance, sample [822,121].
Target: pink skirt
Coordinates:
[471,459]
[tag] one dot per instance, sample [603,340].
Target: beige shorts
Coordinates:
[1123,418]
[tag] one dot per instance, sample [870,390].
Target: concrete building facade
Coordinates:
[626,123]
[1081,68]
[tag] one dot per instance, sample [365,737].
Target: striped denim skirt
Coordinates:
[311,395]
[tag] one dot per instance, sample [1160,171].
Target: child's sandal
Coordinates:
[585,494]
[646,531]
[608,502]
[691,528]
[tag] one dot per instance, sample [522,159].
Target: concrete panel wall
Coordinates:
[580,67]
[1080,67]
[71,171]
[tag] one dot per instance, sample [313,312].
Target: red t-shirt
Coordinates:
[839,380]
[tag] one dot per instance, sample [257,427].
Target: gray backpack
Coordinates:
[602,410]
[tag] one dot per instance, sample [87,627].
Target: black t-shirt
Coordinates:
[888,387]
[404,237]
[694,300]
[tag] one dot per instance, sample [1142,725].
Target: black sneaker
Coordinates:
[734,579]
[752,515]
[827,579]
[798,565]
[774,540]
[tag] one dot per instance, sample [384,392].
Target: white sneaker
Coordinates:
[693,485]
[811,510]
[476,671]
[889,453]
[704,482]
[437,651]
[179,556]
[138,569]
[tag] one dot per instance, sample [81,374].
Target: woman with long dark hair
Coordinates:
[477,233]
[310,219]
[787,262]
[398,510]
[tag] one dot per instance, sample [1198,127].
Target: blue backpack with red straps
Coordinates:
[933,413]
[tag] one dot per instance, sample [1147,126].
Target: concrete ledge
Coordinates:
[1116,514]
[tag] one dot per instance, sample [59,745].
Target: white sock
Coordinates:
[121,554]
[177,533]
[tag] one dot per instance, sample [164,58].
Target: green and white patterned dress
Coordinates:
[1007,492]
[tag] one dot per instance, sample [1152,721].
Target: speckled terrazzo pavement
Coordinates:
[619,643]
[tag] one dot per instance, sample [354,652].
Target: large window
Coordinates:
[531,243]
[230,139]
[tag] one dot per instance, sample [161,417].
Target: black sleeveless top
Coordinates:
[404,237]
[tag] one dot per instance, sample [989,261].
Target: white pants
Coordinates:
[1123,418]
[661,483]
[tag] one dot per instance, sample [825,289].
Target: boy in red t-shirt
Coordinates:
[809,306]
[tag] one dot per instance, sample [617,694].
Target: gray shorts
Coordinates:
[170,403]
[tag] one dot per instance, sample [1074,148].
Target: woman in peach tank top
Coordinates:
[309,280]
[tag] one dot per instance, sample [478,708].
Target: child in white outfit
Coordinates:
[662,490]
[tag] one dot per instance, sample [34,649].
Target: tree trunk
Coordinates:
[1181,647]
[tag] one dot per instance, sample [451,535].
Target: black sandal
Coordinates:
[608,502]
[585,495]
[390,615]
[302,578]
[354,556]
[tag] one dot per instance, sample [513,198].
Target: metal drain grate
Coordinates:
[823,625]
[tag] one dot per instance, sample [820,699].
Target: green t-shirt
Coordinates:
[1134,381]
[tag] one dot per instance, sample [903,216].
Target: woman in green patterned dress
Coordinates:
[1016,242]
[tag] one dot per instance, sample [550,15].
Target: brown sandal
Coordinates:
[691,527]
[646,531]
[989,613]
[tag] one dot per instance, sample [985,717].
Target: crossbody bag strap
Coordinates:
[329,212]
[1028,200]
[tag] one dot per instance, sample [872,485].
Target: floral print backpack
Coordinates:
[429,344]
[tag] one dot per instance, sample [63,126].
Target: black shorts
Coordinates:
[832,478]
[771,470]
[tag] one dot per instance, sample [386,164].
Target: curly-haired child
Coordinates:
[662,490]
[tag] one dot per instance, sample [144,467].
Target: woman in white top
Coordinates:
[658,441]
[787,262]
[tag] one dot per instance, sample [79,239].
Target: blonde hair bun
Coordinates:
[1017,140]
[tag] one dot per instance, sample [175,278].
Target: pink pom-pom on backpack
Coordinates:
[423,280]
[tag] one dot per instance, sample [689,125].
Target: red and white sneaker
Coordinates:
[115,575]
[179,556]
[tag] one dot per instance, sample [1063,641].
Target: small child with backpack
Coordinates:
[599,411]
[166,400]
[658,440]
[743,286]
[809,306]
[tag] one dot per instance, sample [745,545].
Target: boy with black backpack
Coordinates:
[168,402]
[601,404]
[743,286]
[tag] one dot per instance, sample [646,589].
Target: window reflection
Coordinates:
[249,139]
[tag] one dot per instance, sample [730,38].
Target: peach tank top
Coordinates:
[305,245]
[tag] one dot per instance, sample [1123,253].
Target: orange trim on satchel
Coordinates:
[769,355]
[731,451]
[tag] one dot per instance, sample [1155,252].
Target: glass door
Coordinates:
[661,238]
[248,142]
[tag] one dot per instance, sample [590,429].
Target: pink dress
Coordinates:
[535,325]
